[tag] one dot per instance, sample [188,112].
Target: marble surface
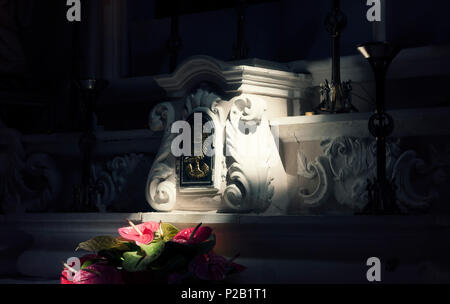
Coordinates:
[411,122]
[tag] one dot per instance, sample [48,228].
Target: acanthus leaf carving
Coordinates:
[250,182]
[403,171]
[203,98]
[346,165]
[111,179]
[28,183]
[315,169]
[161,117]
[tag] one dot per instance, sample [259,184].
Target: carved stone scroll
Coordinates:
[341,173]
[161,182]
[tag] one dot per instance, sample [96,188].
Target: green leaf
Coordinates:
[169,231]
[99,243]
[139,260]
[133,261]
[153,250]
[88,263]
[132,246]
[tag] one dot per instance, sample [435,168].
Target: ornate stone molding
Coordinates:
[283,88]
[27,182]
[253,76]
[112,178]
[341,173]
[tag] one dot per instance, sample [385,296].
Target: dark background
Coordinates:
[41,53]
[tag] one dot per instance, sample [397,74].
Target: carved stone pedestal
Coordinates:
[245,172]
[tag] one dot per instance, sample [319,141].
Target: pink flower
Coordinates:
[65,275]
[213,267]
[191,236]
[98,273]
[141,234]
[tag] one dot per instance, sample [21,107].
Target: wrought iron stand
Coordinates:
[86,194]
[175,42]
[381,191]
[240,49]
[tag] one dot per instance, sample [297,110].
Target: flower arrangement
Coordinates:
[151,252]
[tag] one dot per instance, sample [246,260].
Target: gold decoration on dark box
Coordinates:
[196,170]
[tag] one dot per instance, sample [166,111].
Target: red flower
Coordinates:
[191,236]
[66,275]
[141,234]
[98,273]
[213,267]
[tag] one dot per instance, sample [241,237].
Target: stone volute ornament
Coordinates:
[161,182]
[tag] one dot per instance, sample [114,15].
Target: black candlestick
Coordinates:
[175,42]
[85,195]
[335,95]
[382,198]
[240,49]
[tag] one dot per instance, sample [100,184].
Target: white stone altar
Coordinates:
[292,220]
[272,169]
